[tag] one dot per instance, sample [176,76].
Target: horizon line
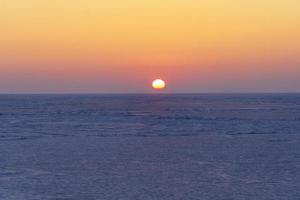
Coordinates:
[140,93]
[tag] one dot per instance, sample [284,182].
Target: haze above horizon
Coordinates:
[121,46]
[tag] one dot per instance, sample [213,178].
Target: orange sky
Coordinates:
[121,45]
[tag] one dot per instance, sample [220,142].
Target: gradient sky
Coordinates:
[122,45]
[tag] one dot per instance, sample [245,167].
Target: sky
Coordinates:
[120,46]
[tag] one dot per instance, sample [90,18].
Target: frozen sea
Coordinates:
[150,147]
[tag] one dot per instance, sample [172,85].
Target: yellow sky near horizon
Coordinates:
[207,39]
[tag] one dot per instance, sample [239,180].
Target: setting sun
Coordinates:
[158,84]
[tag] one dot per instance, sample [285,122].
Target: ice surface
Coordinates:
[225,146]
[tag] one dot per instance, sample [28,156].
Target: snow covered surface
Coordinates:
[206,146]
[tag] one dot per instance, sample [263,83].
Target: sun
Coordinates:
[158,84]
